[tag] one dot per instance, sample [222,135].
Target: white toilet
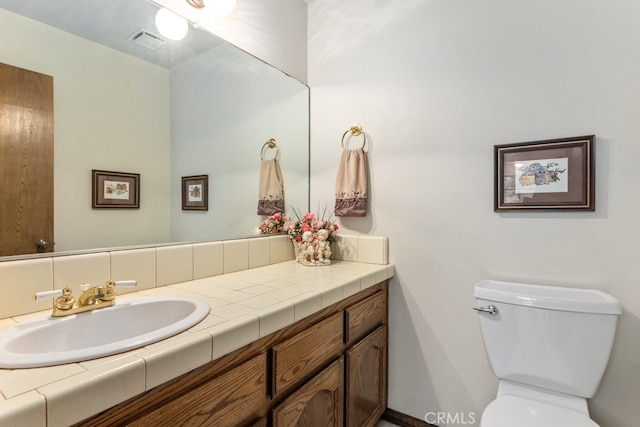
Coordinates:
[549,346]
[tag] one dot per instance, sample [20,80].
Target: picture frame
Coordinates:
[195,193]
[547,175]
[115,189]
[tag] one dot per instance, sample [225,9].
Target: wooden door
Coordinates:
[26,161]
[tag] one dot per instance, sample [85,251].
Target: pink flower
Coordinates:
[309,217]
[273,224]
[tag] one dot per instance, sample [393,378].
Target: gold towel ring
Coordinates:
[271,143]
[356,130]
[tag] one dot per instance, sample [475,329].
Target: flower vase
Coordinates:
[312,253]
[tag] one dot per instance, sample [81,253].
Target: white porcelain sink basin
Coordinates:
[125,326]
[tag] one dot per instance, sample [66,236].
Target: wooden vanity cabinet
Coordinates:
[329,369]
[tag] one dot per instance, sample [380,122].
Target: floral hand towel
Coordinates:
[271,192]
[351,184]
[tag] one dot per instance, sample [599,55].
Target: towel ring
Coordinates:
[271,143]
[356,130]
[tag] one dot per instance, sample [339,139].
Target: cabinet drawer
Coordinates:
[302,355]
[235,398]
[365,316]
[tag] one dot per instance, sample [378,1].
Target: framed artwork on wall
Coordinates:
[549,175]
[115,189]
[195,193]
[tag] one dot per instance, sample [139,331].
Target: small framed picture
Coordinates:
[551,175]
[195,193]
[115,189]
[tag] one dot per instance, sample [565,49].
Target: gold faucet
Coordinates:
[92,298]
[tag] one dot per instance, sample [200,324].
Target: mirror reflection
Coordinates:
[198,106]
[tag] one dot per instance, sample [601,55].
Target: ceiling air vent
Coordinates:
[147,39]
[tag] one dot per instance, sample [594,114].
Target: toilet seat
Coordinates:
[510,411]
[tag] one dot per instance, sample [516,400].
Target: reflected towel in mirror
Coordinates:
[271,192]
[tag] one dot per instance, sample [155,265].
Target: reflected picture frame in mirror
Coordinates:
[120,190]
[195,193]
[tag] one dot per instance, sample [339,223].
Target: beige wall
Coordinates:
[436,84]
[111,112]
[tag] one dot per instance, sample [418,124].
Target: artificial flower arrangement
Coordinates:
[274,224]
[311,236]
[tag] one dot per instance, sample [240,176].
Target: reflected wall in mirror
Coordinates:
[204,112]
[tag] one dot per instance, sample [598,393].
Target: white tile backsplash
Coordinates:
[137,264]
[236,255]
[75,270]
[173,264]
[373,249]
[345,248]
[259,253]
[280,249]
[208,259]
[19,280]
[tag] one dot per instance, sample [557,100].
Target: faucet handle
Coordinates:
[117,283]
[64,300]
[110,292]
[38,296]
[125,283]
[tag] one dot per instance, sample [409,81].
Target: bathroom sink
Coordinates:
[125,326]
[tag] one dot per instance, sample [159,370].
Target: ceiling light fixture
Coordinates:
[198,4]
[170,25]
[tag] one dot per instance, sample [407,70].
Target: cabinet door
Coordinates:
[235,398]
[366,388]
[319,403]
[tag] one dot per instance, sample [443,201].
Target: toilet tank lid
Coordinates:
[549,297]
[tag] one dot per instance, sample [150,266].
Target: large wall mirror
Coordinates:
[199,106]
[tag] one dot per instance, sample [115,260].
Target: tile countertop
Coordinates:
[245,306]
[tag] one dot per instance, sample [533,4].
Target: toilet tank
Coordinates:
[547,336]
